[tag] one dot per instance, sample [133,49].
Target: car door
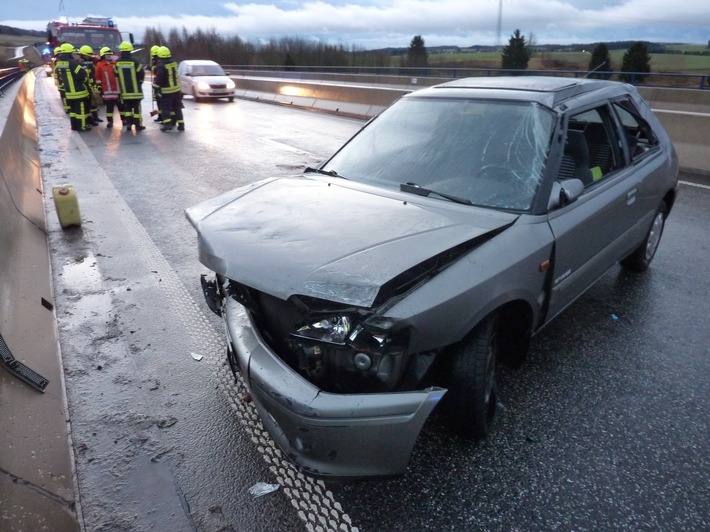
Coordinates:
[645,158]
[596,230]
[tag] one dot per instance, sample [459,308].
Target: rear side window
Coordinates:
[591,150]
[639,136]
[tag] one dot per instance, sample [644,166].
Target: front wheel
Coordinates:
[471,400]
[641,257]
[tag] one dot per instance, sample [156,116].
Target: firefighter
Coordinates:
[57,81]
[130,74]
[87,57]
[24,65]
[170,95]
[72,76]
[156,90]
[108,84]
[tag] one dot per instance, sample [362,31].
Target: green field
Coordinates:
[569,60]
[12,41]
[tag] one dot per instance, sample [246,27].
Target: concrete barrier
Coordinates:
[349,100]
[36,474]
[690,133]
[685,113]
[684,100]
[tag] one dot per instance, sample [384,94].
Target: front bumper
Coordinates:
[215,93]
[327,434]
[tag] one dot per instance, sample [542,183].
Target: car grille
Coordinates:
[218,86]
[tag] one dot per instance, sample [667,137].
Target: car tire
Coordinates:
[231,98]
[194,96]
[471,402]
[640,259]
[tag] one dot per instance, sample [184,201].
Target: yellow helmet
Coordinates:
[163,52]
[126,47]
[154,50]
[86,50]
[58,50]
[67,48]
[105,51]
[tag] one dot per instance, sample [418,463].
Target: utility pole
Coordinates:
[499,26]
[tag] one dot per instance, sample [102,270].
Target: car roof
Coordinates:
[547,90]
[199,62]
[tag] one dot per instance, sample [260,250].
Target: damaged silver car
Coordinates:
[431,247]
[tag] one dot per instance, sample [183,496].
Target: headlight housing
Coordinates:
[230,84]
[332,330]
[203,86]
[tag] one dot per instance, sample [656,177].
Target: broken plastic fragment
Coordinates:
[164,423]
[614,317]
[196,356]
[262,488]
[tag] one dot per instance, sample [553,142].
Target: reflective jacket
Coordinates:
[166,76]
[90,74]
[55,75]
[72,76]
[130,75]
[106,79]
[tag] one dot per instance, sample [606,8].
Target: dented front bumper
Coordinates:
[327,434]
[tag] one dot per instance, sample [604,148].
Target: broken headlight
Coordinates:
[348,354]
[333,330]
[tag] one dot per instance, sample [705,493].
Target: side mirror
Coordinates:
[565,192]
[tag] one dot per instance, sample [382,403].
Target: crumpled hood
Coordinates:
[330,239]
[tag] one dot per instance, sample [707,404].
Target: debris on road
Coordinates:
[262,488]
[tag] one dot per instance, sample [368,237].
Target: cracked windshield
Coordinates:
[489,153]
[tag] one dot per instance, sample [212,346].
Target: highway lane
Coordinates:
[605,426]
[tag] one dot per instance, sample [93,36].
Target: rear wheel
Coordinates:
[471,378]
[641,257]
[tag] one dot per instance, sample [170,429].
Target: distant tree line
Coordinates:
[635,63]
[292,52]
[9,30]
[286,51]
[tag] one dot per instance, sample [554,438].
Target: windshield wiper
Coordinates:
[413,188]
[331,173]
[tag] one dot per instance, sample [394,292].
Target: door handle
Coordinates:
[631,196]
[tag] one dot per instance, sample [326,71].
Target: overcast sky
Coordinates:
[369,24]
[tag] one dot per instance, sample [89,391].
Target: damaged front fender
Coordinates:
[327,434]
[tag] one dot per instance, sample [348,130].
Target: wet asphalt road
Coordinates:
[604,427]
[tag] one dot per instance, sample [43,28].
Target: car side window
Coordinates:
[591,151]
[640,138]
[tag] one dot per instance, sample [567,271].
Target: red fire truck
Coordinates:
[97,32]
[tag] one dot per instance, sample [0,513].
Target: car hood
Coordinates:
[211,80]
[330,239]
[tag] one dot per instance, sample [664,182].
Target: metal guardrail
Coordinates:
[645,79]
[7,77]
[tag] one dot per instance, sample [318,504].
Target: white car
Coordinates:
[203,79]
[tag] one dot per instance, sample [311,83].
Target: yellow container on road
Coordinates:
[67,205]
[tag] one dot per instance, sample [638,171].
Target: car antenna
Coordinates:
[595,69]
